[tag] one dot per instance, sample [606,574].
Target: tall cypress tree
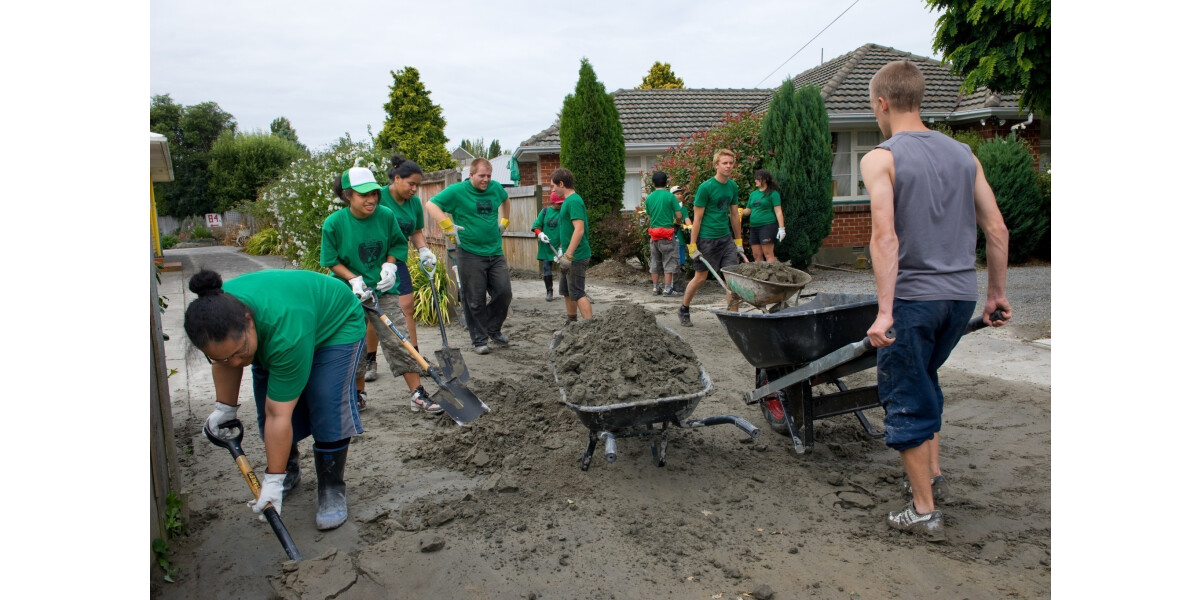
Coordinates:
[593,148]
[796,141]
[414,124]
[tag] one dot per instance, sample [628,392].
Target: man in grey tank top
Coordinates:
[927,194]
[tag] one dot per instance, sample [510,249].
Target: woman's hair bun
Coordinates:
[205,283]
[397,160]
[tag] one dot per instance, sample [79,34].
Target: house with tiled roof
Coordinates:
[654,120]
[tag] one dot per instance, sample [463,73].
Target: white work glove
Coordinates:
[360,289]
[545,239]
[387,277]
[428,258]
[779,236]
[223,414]
[271,492]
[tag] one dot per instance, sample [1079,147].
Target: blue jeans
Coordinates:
[483,276]
[328,407]
[926,333]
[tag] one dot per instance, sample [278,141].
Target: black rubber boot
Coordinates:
[549,288]
[331,488]
[292,478]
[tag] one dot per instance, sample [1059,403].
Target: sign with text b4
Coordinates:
[214,219]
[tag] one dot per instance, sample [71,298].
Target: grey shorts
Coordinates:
[763,234]
[664,256]
[719,253]
[398,359]
[570,284]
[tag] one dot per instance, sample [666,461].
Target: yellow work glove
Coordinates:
[693,251]
[450,229]
[503,224]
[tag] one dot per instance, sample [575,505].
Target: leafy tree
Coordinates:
[661,77]
[240,164]
[1001,44]
[690,162]
[1008,166]
[282,128]
[593,148]
[414,124]
[479,149]
[191,132]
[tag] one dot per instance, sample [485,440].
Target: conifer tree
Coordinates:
[795,137]
[414,124]
[593,148]
[661,77]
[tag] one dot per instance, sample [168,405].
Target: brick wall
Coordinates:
[851,227]
[528,173]
[547,163]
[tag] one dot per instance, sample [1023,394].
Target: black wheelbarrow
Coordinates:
[797,348]
[638,418]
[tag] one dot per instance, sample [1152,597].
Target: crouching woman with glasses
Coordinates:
[301,333]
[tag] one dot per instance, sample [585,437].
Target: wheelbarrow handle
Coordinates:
[976,323]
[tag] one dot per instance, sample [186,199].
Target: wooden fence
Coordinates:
[520,243]
[164,467]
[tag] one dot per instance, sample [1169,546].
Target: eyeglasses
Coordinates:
[243,351]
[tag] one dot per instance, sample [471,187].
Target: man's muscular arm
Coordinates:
[879,171]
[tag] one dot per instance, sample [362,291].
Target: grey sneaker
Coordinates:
[500,339]
[549,295]
[482,349]
[362,400]
[685,316]
[371,374]
[658,291]
[927,525]
[672,292]
[941,489]
[420,401]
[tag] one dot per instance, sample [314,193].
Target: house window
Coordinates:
[634,169]
[848,150]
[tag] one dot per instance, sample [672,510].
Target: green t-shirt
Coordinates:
[662,205]
[410,216]
[362,245]
[716,198]
[478,213]
[762,207]
[547,221]
[295,313]
[572,210]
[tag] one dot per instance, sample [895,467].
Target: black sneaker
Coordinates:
[685,316]
[672,292]
[658,291]
[420,401]
[928,525]
[362,400]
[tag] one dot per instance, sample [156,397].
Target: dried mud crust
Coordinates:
[624,356]
[772,272]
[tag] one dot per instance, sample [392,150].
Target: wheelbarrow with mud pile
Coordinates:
[796,349]
[769,287]
[608,422]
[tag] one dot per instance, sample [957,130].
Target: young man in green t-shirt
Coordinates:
[663,210]
[467,212]
[717,235]
[573,235]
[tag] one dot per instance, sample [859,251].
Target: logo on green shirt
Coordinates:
[406,226]
[370,252]
[483,206]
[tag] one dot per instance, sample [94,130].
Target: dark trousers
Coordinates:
[484,276]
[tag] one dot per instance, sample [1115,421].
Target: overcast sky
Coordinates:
[497,69]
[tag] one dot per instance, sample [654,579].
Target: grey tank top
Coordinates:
[935,216]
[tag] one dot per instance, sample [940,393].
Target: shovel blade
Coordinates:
[453,365]
[457,400]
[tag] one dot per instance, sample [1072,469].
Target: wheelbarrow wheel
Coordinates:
[772,405]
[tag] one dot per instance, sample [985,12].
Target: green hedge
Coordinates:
[1008,166]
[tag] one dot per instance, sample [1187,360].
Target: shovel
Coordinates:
[455,398]
[234,446]
[451,359]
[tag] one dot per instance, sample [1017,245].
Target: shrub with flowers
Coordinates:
[303,196]
[690,163]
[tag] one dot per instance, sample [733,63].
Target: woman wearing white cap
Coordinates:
[361,244]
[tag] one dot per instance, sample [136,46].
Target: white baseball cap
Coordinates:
[360,179]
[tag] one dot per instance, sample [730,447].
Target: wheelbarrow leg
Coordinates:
[658,449]
[862,419]
[797,444]
[587,455]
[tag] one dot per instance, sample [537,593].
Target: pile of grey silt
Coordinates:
[624,356]
[771,272]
